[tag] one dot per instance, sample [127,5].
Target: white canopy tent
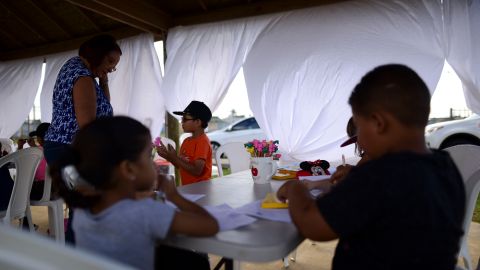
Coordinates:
[299,66]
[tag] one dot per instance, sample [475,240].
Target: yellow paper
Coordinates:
[271,202]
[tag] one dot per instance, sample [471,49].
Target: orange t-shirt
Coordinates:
[193,149]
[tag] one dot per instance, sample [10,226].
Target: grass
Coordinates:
[226,171]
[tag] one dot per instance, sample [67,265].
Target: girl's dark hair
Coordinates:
[96,48]
[95,152]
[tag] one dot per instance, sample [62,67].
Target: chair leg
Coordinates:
[28,213]
[286,263]
[465,254]
[55,217]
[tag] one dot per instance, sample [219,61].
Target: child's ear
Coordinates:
[379,122]
[127,169]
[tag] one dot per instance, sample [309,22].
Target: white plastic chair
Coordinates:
[55,210]
[26,162]
[24,251]
[467,159]
[238,157]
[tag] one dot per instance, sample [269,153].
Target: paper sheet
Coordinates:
[228,218]
[314,177]
[190,197]
[254,209]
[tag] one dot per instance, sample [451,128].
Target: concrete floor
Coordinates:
[310,255]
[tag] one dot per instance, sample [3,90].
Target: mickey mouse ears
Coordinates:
[351,140]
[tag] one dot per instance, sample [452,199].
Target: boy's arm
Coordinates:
[195,168]
[305,213]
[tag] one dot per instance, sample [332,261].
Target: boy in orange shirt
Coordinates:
[195,158]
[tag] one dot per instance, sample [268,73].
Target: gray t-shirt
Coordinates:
[126,231]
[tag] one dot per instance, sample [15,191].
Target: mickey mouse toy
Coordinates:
[317,167]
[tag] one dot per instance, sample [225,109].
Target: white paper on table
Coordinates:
[255,209]
[314,177]
[228,218]
[190,197]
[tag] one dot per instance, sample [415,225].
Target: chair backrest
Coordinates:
[238,157]
[26,162]
[47,186]
[21,251]
[467,159]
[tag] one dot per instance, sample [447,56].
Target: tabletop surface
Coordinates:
[261,241]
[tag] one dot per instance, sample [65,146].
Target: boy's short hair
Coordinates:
[198,110]
[396,89]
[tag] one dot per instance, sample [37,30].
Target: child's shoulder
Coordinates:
[410,163]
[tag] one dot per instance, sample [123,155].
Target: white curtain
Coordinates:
[300,74]
[53,64]
[19,81]
[135,86]
[462,46]
[203,60]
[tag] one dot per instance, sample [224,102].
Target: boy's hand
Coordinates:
[309,184]
[169,153]
[282,193]
[341,173]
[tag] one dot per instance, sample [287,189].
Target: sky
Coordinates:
[448,94]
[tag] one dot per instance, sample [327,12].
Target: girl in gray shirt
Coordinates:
[108,176]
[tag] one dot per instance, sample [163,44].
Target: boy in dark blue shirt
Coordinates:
[402,209]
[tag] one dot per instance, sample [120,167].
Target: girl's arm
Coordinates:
[84,101]
[192,219]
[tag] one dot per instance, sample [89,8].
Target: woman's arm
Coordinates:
[84,101]
[104,85]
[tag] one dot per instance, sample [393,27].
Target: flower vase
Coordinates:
[262,168]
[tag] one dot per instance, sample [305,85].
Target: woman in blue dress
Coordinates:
[78,98]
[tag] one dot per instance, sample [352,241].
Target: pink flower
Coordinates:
[157,141]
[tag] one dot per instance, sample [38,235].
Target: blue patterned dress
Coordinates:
[64,122]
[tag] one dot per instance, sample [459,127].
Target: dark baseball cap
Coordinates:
[197,109]
[350,140]
[40,131]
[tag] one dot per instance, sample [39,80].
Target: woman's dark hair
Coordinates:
[96,48]
[95,152]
